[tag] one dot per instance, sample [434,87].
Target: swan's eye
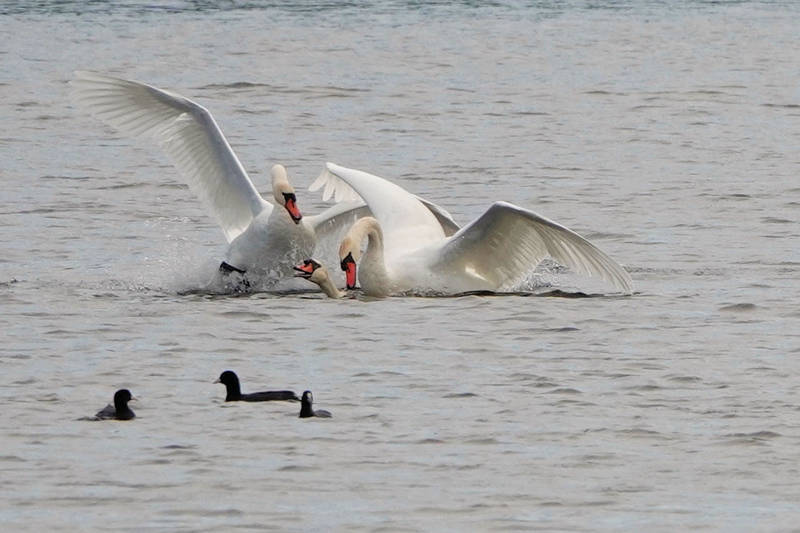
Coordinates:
[289,197]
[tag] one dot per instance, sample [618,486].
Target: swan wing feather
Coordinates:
[445,219]
[187,133]
[398,211]
[340,190]
[507,242]
[337,219]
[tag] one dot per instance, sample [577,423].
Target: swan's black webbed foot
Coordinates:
[225,268]
[243,285]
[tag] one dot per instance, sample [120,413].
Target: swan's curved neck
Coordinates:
[328,287]
[368,228]
[372,271]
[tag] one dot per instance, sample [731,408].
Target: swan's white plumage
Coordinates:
[496,251]
[264,241]
[408,221]
[331,178]
[188,134]
[506,242]
[405,221]
[333,187]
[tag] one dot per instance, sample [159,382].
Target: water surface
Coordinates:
[667,134]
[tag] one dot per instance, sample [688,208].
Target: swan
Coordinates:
[263,241]
[407,251]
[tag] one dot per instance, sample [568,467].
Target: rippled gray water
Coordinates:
[668,134]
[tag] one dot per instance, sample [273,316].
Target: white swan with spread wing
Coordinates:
[263,241]
[407,251]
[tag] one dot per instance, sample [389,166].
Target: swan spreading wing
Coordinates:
[189,135]
[393,202]
[505,243]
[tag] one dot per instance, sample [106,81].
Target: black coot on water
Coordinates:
[120,409]
[231,382]
[306,409]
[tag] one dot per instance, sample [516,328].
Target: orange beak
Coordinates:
[306,269]
[349,267]
[350,275]
[294,212]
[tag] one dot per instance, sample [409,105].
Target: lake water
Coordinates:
[667,133]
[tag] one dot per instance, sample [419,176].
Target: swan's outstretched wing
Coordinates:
[187,132]
[393,206]
[449,226]
[337,219]
[507,242]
